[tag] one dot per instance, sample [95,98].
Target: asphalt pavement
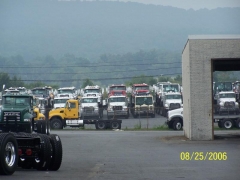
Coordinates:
[142,155]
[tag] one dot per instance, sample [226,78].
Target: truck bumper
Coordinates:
[117,113]
[144,112]
[76,122]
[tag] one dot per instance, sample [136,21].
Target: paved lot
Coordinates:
[139,155]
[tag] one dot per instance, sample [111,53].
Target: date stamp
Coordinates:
[203,156]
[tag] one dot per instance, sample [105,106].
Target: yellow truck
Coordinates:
[41,125]
[70,116]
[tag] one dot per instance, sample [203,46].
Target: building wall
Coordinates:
[197,83]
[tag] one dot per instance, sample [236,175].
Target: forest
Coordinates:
[63,43]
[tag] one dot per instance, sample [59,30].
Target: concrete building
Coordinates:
[201,56]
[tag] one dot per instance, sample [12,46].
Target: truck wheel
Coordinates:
[100,125]
[41,127]
[237,123]
[56,124]
[56,159]
[153,115]
[127,116]
[177,125]
[8,154]
[227,123]
[115,125]
[44,158]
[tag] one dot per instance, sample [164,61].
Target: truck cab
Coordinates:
[171,101]
[58,117]
[90,107]
[142,105]
[226,102]
[117,106]
[17,113]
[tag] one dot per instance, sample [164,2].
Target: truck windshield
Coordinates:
[118,88]
[173,96]
[11,100]
[223,86]
[144,100]
[171,88]
[142,88]
[227,95]
[59,101]
[40,91]
[92,91]
[89,100]
[65,91]
[117,99]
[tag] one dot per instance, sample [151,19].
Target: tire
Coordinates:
[219,124]
[177,125]
[152,115]
[115,125]
[227,123]
[56,124]
[8,154]
[44,157]
[237,123]
[29,128]
[42,127]
[127,116]
[100,125]
[56,158]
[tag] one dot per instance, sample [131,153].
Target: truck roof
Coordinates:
[62,88]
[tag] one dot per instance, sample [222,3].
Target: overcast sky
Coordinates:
[187,4]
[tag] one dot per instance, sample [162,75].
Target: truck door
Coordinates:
[71,110]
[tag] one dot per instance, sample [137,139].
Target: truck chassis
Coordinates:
[29,150]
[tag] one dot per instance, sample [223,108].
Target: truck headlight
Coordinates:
[166,105]
[221,103]
[125,108]
[27,120]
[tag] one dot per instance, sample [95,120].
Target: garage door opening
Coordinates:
[226,95]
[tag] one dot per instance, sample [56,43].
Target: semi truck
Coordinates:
[227,121]
[20,146]
[70,116]
[117,104]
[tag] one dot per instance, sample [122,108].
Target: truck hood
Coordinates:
[59,105]
[58,110]
[23,110]
[175,111]
[89,105]
[169,101]
[117,104]
[227,99]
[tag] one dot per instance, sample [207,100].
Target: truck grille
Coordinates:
[88,109]
[229,104]
[11,116]
[117,107]
[143,108]
[174,105]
